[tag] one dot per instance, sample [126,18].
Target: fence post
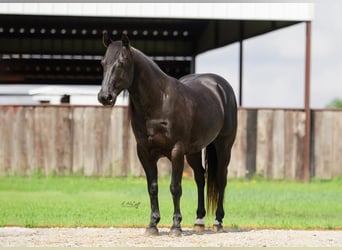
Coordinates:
[307,146]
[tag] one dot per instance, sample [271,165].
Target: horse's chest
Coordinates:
[158,132]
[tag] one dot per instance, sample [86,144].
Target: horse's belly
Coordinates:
[204,132]
[209,115]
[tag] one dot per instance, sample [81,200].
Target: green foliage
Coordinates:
[115,202]
[336,103]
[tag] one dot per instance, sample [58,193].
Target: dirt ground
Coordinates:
[134,237]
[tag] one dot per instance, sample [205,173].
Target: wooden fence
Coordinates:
[98,141]
[327,143]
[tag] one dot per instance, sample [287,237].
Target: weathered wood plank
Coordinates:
[251,139]
[89,141]
[11,112]
[21,133]
[323,144]
[63,141]
[290,146]
[318,159]
[3,125]
[278,144]
[30,146]
[116,137]
[40,147]
[300,134]
[126,145]
[18,159]
[98,144]
[49,139]
[77,140]
[237,167]
[264,143]
[294,144]
[5,139]
[337,144]
[106,143]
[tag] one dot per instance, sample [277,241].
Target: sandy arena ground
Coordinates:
[134,237]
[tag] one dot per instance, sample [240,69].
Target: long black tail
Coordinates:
[211,169]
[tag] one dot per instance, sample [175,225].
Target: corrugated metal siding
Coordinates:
[240,11]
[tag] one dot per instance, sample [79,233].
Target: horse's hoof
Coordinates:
[175,232]
[151,231]
[217,228]
[199,227]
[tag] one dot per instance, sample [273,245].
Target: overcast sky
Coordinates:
[274,62]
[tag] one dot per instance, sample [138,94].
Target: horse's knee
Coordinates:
[153,188]
[176,189]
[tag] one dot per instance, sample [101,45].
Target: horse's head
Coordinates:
[117,69]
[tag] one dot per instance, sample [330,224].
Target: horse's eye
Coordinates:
[120,64]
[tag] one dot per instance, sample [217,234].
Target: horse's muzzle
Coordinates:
[106,99]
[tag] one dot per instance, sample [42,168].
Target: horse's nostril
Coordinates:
[110,98]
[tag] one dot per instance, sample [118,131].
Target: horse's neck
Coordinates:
[149,86]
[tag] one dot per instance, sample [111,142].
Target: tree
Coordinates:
[336,103]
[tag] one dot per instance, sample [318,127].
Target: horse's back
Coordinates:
[216,86]
[195,80]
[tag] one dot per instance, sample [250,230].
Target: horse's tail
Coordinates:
[211,167]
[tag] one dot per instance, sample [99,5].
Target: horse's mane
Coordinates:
[148,60]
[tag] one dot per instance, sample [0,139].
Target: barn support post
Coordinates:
[240,71]
[193,65]
[241,63]
[307,138]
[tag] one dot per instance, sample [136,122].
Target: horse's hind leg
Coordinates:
[195,161]
[223,147]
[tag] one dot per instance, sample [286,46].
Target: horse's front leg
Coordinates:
[150,166]
[177,159]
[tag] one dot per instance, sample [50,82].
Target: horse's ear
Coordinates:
[106,39]
[125,40]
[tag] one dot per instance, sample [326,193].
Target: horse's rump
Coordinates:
[216,100]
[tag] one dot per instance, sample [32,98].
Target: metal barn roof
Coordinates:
[61,42]
[225,11]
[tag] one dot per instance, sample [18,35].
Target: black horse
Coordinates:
[173,118]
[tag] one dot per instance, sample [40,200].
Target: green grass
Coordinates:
[113,202]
